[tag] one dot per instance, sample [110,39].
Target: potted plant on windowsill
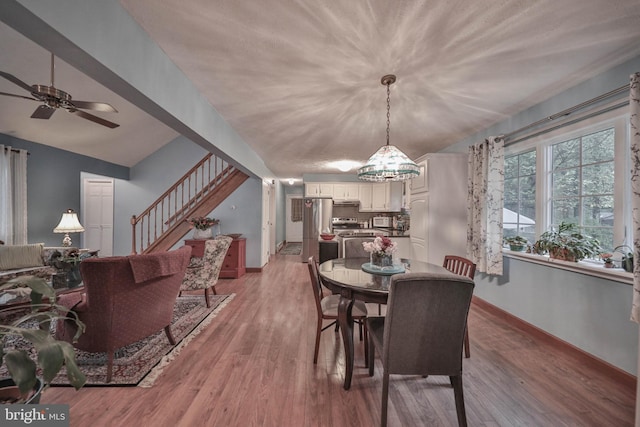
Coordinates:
[516,243]
[28,378]
[568,244]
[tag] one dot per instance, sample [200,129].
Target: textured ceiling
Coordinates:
[299,80]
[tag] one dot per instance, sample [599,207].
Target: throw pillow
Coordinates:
[21,256]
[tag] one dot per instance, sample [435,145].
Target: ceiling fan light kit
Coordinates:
[53,98]
[388,163]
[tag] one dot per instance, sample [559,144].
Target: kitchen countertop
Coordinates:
[389,232]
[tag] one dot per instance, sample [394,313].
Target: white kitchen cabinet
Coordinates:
[364,195]
[379,196]
[312,189]
[419,184]
[326,189]
[346,192]
[439,211]
[318,189]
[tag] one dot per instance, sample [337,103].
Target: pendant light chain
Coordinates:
[388,110]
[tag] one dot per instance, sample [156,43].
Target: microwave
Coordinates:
[382,221]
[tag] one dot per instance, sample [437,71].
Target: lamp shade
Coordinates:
[388,164]
[69,223]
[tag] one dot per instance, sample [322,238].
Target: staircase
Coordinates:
[197,193]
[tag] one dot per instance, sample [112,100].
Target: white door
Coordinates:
[293,230]
[419,227]
[266,191]
[97,215]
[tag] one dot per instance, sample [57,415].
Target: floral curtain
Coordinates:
[484,205]
[13,195]
[634,107]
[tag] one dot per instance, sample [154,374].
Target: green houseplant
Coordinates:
[34,327]
[567,243]
[516,243]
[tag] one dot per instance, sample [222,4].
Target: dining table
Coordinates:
[356,279]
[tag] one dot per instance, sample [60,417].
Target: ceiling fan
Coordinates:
[53,98]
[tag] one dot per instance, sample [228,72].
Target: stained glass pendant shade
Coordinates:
[388,163]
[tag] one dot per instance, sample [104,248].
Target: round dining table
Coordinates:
[355,279]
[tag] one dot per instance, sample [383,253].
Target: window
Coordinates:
[578,174]
[582,190]
[520,195]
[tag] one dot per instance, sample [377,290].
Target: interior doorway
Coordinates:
[97,214]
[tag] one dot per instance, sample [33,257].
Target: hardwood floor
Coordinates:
[253,366]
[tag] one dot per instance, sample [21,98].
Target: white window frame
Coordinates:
[619,121]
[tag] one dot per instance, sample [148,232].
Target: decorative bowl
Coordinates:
[234,235]
[327,236]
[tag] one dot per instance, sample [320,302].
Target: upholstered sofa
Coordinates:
[124,299]
[19,260]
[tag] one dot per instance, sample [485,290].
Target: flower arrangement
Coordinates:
[380,246]
[202,223]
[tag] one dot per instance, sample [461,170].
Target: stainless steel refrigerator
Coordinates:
[316,219]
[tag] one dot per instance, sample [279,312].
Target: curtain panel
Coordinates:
[484,205]
[634,107]
[13,195]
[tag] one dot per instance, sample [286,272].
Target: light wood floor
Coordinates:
[253,366]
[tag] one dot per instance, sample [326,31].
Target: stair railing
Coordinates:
[175,205]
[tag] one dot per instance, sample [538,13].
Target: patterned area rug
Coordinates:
[142,362]
[293,248]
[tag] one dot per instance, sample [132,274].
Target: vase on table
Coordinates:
[200,234]
[381,260]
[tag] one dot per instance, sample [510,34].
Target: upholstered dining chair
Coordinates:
[327,308]
[423,331]
[202,273]
[353,247]
[464,267]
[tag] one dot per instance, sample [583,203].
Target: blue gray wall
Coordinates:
[53,185]
[587,312]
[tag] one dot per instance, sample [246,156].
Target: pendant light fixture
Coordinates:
[388,163]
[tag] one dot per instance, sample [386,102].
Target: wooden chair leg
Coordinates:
[385,398]
[109,365]
[317,348]
[467,352]
[370,350]
[167,331]
[456,382]
[206,297]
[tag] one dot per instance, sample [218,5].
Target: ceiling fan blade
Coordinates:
[43,112]
[97,106]
[18,96]
[13,79]
[93,118]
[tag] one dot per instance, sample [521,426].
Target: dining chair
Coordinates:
[327,308]
[353,247]
[423,331]
[463,267]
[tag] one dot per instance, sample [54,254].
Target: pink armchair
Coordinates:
[124,299]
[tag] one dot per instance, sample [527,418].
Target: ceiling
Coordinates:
[299,80]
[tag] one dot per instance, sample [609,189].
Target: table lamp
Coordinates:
[69,223]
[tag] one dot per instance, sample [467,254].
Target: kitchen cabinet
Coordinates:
[386,196]
[364,195]
[439,208]
[318,189]
[346,192]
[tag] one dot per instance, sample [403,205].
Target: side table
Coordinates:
[234,265]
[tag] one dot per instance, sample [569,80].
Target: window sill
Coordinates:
[584,267]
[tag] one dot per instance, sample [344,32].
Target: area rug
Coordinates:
[293,248]
[142,363]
